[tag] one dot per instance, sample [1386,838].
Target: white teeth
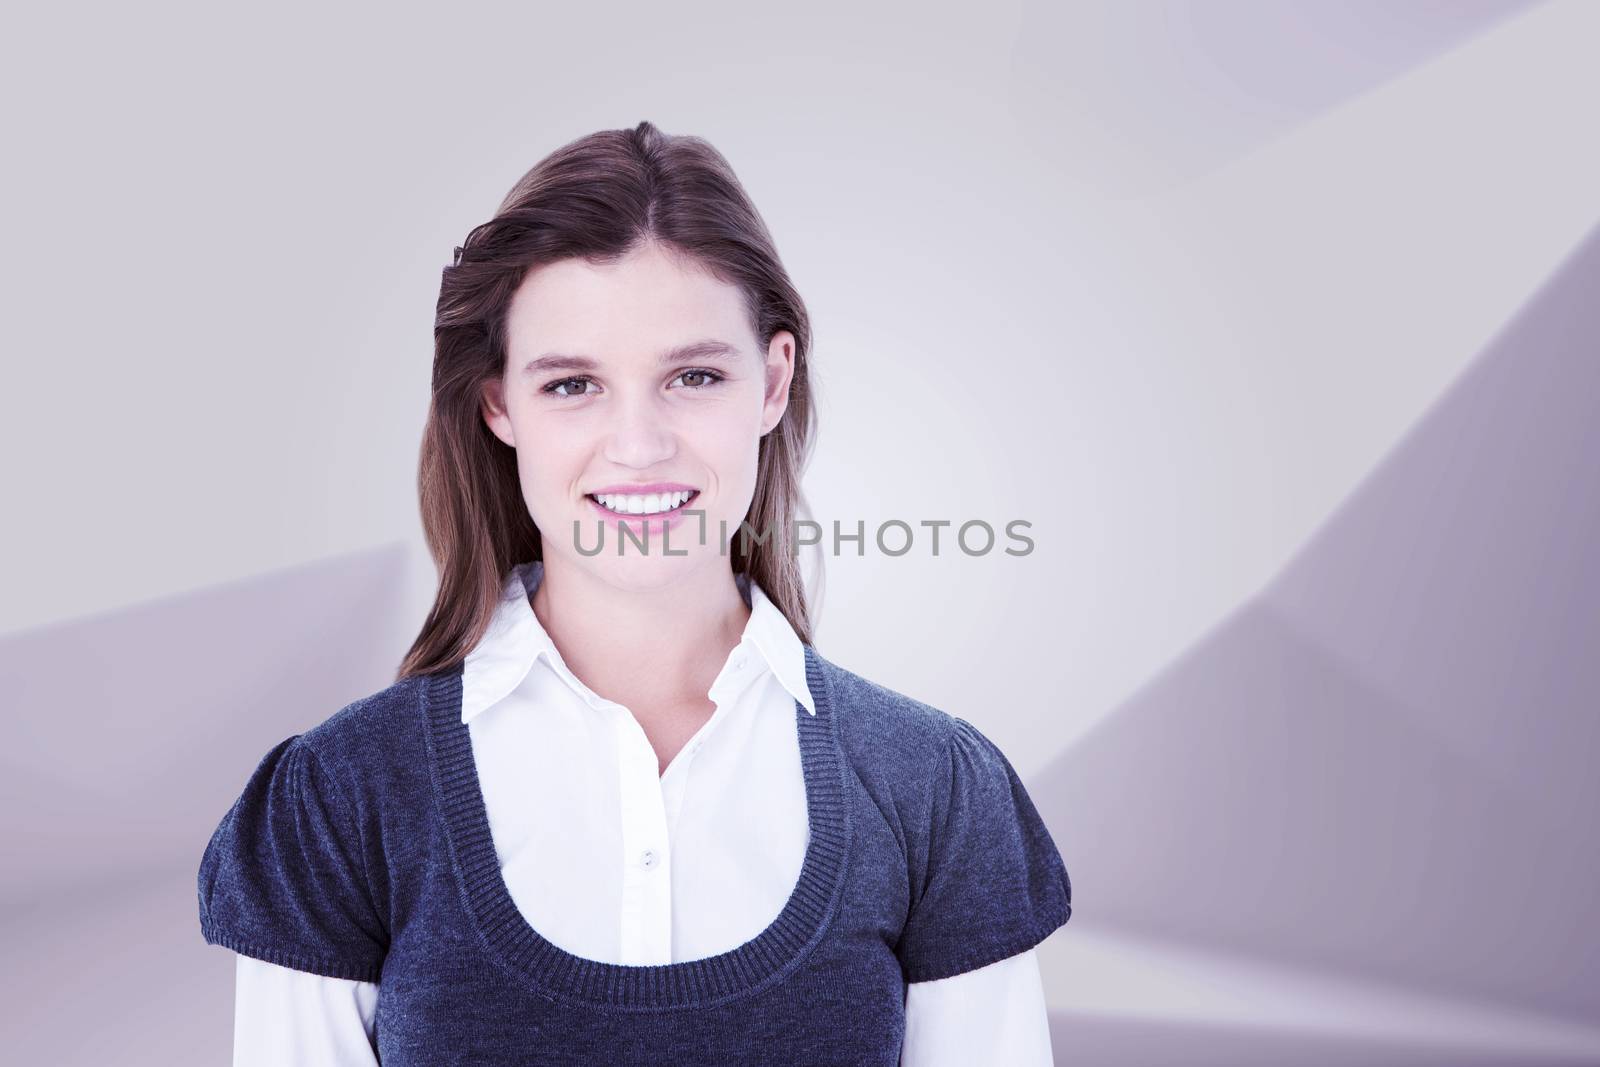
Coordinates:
[646,504]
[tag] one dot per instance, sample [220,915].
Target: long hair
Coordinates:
[596,198]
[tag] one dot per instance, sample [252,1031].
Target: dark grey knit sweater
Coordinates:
[361,849]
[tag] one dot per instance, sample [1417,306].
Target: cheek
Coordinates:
[548,463]
[733,456]
[731,450]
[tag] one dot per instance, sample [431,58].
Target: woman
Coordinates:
[616,807]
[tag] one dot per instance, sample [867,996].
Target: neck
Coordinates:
[656,646]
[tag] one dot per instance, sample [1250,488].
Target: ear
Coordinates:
[779,373]
[495,415]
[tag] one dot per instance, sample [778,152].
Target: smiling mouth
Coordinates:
[649,505]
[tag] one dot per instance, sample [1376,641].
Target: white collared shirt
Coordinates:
[656,866]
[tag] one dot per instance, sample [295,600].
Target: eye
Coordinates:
[554,388]
[712,376]
[563,386]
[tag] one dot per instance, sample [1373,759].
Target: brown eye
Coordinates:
[708,377]
[555,387]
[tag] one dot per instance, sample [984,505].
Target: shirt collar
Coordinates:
[516,639]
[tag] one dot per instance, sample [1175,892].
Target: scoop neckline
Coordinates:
[769,955]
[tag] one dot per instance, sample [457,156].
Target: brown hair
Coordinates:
[596,198]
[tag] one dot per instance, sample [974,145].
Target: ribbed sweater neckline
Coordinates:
[552,970]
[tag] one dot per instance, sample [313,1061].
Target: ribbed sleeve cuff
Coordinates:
[355,972]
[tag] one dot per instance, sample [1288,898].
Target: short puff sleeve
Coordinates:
[283,877]
[990,882]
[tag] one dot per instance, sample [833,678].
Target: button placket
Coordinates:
[646,919]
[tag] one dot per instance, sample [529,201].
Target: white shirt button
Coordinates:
[648,858]
[738,661]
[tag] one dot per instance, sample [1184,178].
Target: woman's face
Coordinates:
[639,374]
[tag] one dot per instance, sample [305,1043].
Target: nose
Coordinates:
[641,433]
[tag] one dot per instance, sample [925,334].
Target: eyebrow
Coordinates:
[709,350]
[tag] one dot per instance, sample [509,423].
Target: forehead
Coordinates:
[629,308]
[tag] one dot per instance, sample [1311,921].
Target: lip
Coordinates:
[657,521]
[652,487]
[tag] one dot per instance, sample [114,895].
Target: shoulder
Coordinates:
[896,743]
[294,873]
[376,743]
[984,879]
[920,763]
